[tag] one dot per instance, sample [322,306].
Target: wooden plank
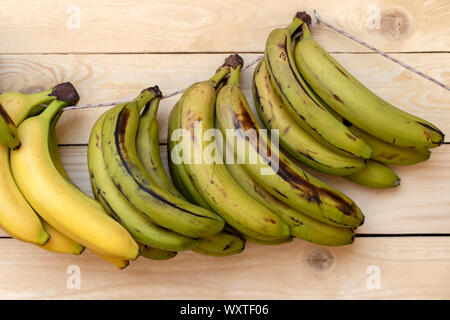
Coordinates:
[106,78]
[215,26]
[408,268]
[420,205]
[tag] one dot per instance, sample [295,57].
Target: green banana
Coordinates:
[300,102]
[375,175]
[287,182]
[293,139]
[8,130]
[301,225]
[221,245]
[268,242]
[147,145]
[130,177]
[156,254]
[211,178]
[115,203]
[356,103]
[182,180]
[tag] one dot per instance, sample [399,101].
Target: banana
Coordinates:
[59,242]
[293,139]
[268,243]
[8,130]
[300,102]
[391,154]
[128,174]
[211,178]
[156,254]
[221,245]
[58,201]
[375,175]
[301,225]
[147,145]
[182,180]
[356,103]
[119,263]
[115,203]
[285,181]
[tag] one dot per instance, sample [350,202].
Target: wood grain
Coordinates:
[420,205]
[106,78]
[215,26]
[410,268]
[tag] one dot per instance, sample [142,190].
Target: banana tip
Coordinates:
[66,92]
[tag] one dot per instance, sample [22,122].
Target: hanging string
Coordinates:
[247,66]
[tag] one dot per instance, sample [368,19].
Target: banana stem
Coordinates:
[294,26]
[151,108]
[306,34]
[146,96]
[235,76]
[219,75]
[53,109]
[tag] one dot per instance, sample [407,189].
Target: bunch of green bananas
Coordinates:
[327,119]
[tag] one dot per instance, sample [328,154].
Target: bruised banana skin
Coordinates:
[182,180]
[356,103]
[375,175]
[147,145]
[139,226]
[211,178]
[300,103]
[301,225]
[287,182]
[70,211]
[130,177]
[221,245]
[296,141]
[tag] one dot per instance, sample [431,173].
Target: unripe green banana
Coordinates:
[115,203]
[156,254]
[8,130]
[268,242]
[147,145]
[129,175]
[180,177]
[221,245]
[211,178]
[299,102]
[293,139]
[356,103]
[375,175]
[301,225]
[272,169]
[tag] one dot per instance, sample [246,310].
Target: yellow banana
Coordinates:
[115,203]
[128,174]
[300,102]
[283,179]
[356,103]
[375,175]
[211,178]
[8,130]
[59,242]
[72,212]
[119,263]
[296,141]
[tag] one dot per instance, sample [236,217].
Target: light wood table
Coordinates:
[117,48]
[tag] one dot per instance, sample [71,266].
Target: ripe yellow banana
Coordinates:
[375,175]
[72,212]
[119,263]
[293,139]
[300,102]
[128,174]
[356,103]
[115,203]
[59,242]
[211,178]
[286,181]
